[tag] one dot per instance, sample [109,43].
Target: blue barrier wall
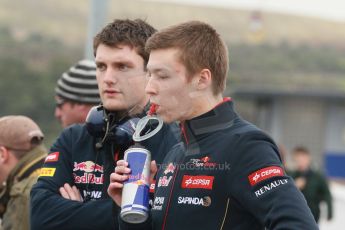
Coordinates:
[335,164]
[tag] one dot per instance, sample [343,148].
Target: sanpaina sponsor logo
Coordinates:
[202,201]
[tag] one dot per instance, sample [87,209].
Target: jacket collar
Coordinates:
[26,167]
[32,161]
[219,118]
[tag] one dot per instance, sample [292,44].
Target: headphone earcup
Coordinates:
[94,123]
[123,133]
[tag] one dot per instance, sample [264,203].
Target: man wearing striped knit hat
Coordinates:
[76,93]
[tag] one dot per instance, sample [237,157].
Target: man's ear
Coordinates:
[4,154]
[204,79]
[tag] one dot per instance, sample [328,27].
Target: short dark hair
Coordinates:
[301,149]
[128,32]
[200,47]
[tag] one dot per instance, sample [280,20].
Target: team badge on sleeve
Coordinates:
[52,157]
[265,173]
[47,172]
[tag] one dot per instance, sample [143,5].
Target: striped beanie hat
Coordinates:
[79,83]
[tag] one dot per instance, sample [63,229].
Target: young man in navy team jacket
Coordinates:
[227,174]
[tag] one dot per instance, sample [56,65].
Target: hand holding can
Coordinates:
[117,179]
[135,193]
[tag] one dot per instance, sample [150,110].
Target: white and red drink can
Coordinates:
[135,193]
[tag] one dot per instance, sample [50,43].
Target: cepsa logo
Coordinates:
[203,182]
[52,157]
[87,166]
[264,174]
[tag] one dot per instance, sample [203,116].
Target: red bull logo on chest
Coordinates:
[87,166]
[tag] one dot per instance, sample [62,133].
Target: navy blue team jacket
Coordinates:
[73,159]
[226,175]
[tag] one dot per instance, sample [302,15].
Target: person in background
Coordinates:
[76,93]
[312,183]
[283,155]
[21,157]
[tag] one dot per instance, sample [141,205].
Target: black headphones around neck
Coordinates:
[106,125]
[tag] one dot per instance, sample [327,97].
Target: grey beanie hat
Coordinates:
[79,83]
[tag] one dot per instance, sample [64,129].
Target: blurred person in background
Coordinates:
[76,93]
[73,195]
[21,157]
[312,183]
[283,156]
